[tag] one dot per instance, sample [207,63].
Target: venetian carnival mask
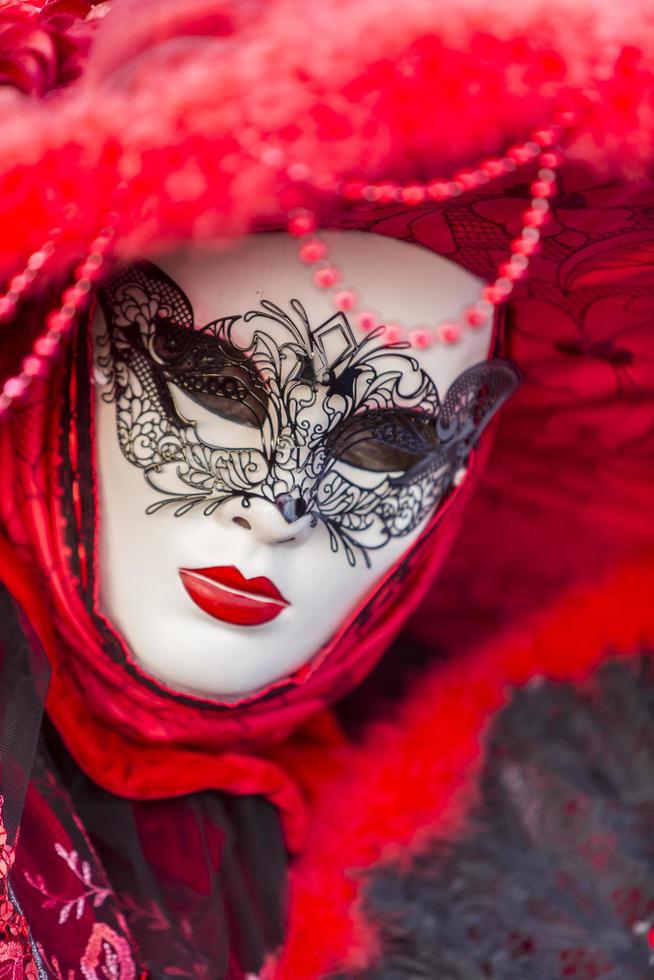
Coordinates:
[262,462]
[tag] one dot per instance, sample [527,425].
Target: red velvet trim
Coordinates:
[415,777]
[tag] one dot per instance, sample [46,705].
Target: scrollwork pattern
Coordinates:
[321,409]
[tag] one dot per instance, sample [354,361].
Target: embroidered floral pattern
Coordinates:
[16,960]
[76,905]
[107,956]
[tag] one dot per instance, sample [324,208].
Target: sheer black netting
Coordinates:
[554,876]
[200,879]
[24,674]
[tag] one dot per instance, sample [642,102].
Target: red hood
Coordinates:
[131,734]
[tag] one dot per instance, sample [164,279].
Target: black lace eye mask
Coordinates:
[353,434]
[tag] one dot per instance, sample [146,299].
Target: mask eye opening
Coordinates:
[385,441]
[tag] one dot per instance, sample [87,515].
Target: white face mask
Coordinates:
[261,462]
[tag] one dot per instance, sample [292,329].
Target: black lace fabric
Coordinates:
[554,875]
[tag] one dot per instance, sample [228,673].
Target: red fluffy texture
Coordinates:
[432,750]
[180,98]
[41,49]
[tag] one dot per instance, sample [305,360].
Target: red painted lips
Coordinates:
[223,592]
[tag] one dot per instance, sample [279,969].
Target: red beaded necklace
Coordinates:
[542,149]
[313,251]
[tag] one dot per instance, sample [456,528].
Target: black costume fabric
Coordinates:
[554,874]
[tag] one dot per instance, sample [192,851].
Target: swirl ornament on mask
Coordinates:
[350,434]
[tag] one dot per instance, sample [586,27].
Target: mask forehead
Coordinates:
[403,282]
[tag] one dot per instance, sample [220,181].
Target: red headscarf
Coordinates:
[130,733]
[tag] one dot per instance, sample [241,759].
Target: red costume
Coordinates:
[449,814]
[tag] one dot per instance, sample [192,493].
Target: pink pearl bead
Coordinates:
[420,338]
[523,246]
[387,193]
[33,366]
[74,296]
[492,294]
[467,180]
[46,346]
[510,271]
[449,333]
[56,321]
[478,314]
[15,387]
[302,223]
[492,167]
[345,299]
[17,284]
[313,251]
[367,320]
[550,159]
[327,277]
[87,273]
[392,333]
[521,154]
[7,305]
[36,260]
[101,243]
[535,218]
[438,190]
[504,285]
[413,194]
[542,188]
[545,137]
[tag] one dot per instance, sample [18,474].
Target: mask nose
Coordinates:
[278,522]
[291,508]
